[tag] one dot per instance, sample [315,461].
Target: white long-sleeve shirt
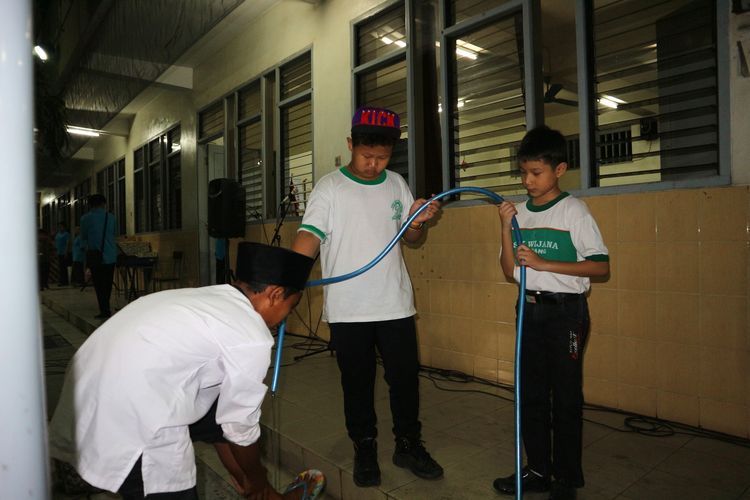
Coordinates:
[152,369]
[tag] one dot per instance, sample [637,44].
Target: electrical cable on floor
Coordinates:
[632,422]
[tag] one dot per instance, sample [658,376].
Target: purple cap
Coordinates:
[368,120]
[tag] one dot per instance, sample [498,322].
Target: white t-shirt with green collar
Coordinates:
[355,220]
[563,230]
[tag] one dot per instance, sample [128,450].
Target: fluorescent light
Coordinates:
[83,131]
[607,102]
[613,99]
[388,41]
[610,101]
[466,53]
[469,46]
[40,53]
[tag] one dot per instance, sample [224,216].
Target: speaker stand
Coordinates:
[283,208]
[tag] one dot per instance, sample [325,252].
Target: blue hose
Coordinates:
[517,238]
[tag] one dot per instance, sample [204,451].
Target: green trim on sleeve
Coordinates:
[598,258]
[314,230]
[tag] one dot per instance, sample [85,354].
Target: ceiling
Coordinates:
[107,54]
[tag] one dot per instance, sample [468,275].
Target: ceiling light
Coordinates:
[83,131]
[469,46]
[388,41]
[607,102]
[613,99]
[466,53]
[40,53]
[610,101]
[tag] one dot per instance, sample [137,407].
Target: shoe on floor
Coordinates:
[530,481]
[411,454]
[561,491]
[366,468]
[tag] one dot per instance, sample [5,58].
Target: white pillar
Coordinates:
[23,435]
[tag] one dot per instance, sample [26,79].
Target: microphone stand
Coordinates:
[283,208]
[276,240]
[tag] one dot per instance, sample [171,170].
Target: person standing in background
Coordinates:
[79,253]
[62,246]
[98,230]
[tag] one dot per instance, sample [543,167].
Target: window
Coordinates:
[295,106]
[63,209]
[615,146]
[486,111]
[158,183]
[80,200]
[250,148]
[656,87]
[381,73]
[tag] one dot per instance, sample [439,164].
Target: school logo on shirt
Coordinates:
[398,209]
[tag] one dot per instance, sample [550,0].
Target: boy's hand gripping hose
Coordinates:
[517,239]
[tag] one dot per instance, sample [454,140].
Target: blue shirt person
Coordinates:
[98,230]
[62,241]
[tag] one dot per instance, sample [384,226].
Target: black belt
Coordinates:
[539,297]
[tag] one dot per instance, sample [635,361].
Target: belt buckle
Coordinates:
[531,298]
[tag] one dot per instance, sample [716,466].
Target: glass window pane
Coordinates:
[488,111]
[386,88]
[249,101]
[656,86]
[381,35]
[296,76]
[297,155]
[251,167]
[211,120]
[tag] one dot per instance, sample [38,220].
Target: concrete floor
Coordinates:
[468,428]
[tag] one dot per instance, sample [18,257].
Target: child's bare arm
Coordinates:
[506,211]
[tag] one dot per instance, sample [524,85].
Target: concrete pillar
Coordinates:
[23,436]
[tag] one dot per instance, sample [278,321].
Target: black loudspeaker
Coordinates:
[226,209]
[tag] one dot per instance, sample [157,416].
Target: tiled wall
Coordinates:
[669,332]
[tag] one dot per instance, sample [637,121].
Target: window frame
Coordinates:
[587,110]
[164,187]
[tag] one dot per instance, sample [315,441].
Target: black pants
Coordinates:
[77,274]
[555,330]
[62,266]
[132,488]
[221,271]
[396,341]
[102,276]
[43,275]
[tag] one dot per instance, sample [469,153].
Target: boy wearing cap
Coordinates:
[352,214]
[176,365]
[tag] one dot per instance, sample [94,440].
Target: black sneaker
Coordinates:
[410,454]
[530,481]
[561,491]
[366,468]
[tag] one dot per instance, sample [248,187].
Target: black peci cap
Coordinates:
[271,265]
